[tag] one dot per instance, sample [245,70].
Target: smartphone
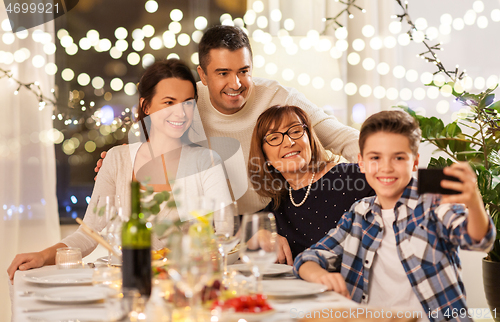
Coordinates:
[429,181]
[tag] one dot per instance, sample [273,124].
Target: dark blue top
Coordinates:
[330,197]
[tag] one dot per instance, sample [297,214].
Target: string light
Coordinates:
[333,21]
[33,87]
[430,54]
[455,75]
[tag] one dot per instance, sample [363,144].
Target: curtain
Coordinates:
[29,215]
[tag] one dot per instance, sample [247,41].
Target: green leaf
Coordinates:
[166,195]
[495,105]
[494,157]
[148,204]
[172,204]
[438,163]
[155,209]
[452,130]
[486,101]
[159,198]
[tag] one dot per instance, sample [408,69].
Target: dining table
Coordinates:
[28,305]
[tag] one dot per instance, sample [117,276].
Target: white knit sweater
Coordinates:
[339,138]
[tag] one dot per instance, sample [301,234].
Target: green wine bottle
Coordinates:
[136,248]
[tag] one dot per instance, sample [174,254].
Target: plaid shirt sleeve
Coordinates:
[329,250]
[453,219]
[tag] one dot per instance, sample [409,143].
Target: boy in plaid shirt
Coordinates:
[398,248]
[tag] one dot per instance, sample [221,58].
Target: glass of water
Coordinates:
[259,246]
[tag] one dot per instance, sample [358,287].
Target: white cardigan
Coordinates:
[200,173]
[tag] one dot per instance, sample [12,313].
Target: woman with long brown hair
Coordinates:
[308,189]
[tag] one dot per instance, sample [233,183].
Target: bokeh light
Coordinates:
[67,74]
[121,33]
[130,89]
[83,79]
[151,6]
[200,23]
[116,84]
[176,15]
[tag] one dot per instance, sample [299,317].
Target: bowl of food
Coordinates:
[233,255]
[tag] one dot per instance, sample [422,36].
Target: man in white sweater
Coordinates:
[230,101]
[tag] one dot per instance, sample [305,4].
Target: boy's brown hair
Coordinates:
[393,121]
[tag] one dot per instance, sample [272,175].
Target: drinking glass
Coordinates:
[108,277]
[259,244]
[201,211]
[226,223]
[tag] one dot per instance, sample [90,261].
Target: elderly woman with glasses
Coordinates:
[308,189]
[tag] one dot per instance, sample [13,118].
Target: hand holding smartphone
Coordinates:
[429,181]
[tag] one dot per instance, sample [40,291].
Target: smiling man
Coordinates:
[230,100]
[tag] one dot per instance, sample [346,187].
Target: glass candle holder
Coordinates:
[69,257]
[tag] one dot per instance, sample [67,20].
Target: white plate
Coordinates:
[291,288]
[249,317]
[73,294]
[78,276]
[73,314]
[273,270]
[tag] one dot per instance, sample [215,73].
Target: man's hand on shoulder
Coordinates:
[99,163]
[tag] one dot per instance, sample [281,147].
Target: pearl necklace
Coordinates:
[307,193]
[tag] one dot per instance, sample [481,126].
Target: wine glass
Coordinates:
[191,269]
[226,223]
[114,219]
[259,247]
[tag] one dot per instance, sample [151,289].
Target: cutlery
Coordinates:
[26,293]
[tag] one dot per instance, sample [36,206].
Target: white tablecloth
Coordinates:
[286,309]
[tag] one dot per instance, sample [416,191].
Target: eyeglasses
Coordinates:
[295,132]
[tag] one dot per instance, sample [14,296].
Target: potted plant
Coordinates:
[478,144]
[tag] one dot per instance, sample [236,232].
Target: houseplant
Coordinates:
[478,144]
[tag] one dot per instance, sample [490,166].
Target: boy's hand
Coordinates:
[99,163]
[469,195]
[478,224]
[334,282]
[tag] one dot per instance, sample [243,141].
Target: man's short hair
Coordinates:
[227,37]
[392,121]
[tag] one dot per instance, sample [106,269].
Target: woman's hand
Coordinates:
[284,251]
[262,239]
[24,262]
[333,281]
